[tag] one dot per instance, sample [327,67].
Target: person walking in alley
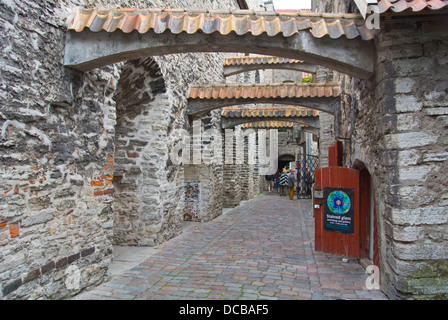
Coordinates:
[291,183]
[277,181]
[283,182]
[270,181]
[308,182]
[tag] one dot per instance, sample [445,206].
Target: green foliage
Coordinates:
[308,79]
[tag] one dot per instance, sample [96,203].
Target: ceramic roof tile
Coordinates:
[269,124]
[411,5]
[224,22]
[256,112]
[251,60]
[283,90]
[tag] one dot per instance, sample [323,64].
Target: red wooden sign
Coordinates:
[336,237]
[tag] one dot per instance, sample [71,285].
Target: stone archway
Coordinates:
[141,161]
[100,37]
[324,97]
[284,160]
[310,124]
[235,65]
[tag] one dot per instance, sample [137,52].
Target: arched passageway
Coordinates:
[140,163]
[309,124]
[100,37]
[324,97]
[285,160]
[259,250]
[235,65]
[56,137]
[264,123]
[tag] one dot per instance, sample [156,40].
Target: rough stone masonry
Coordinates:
[69,169]
[395,124]
[84,157]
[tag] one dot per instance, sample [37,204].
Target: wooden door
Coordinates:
[337,230]
[368,227]
[364,186]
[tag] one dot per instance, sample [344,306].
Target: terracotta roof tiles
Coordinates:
[283,90]
[269,124]
[256,112]
[249,60]
[411,5]
[222,21]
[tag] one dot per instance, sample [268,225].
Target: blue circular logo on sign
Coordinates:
[338,202]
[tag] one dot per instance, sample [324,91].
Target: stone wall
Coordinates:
[55,149]
[206,169]
[142,175]
[59,172]
[281,75]
[412,77]
[74,147]
[326,120]
[232,172]
[243,181]
[395,124]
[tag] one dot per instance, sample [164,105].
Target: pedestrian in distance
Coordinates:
[270,180]
[308,182]
[277,181]
[284,182]
[291,184]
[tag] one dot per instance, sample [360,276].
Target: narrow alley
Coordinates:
[263,249]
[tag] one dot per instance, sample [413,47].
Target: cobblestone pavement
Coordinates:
[263,249]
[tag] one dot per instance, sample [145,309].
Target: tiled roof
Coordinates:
[245,60]
[269,124]
[281,90]
[222,21]
[256,112]
[411,5]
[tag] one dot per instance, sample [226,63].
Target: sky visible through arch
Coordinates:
[292,4]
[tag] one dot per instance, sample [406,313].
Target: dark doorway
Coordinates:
[284,161]
[368,228]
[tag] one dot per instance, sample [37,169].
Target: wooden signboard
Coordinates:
[337,212]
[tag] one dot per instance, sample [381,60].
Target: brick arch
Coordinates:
[140,100]
[99,37]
